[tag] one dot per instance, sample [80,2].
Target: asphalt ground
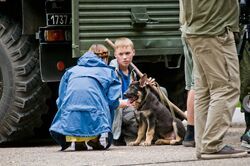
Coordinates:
[46,153]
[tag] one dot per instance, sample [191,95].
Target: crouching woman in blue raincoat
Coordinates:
[88,94]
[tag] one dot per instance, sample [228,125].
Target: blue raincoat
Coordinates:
[88,96]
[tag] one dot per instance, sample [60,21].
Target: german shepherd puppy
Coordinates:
[154,118]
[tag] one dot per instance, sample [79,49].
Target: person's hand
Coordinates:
[124,103]
[151,81]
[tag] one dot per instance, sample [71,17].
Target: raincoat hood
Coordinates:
[89,59]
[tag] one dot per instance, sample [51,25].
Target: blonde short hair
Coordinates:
[124,42]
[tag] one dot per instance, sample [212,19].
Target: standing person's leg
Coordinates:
[189,137]
[190,107]
[201,98]
[218,58]
[245,138]
[216,87]
[189,140]
[245,90]
[222,72]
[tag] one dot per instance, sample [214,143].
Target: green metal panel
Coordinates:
[75,28]
[95,20]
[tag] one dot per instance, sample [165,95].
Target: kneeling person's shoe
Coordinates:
[95,144]
[79,146]
[245,140]
[65,146]
[225,152]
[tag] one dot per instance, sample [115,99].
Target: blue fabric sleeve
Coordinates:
[114,93]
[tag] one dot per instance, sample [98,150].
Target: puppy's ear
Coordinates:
[143,80]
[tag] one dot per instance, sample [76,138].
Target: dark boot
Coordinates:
[189,137]
[60,139]
[119,142]
[79,146]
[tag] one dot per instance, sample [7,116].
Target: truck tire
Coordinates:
[22,93]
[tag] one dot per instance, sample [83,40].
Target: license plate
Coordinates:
[58,19]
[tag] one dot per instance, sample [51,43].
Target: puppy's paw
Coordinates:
[159,142]
[174,142]
[134,144]
[146,143]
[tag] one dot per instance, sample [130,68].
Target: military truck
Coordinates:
[40,39]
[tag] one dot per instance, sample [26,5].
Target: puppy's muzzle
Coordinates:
[131,96]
